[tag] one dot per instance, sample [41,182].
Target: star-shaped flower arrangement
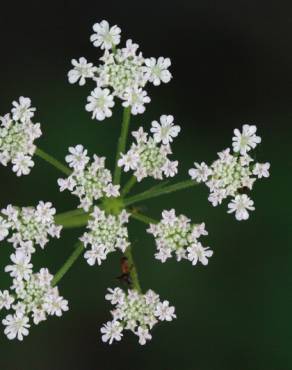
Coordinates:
[105,203]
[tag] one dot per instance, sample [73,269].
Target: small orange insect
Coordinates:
[125,268]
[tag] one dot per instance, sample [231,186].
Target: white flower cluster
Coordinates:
[32,296]
[88,181]
[135,312]
[29,226]
[17,135]
[149,156]
[232,173]
[107,233]
[124,73]
[175,234]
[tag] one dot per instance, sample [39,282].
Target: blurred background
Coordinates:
[232,64]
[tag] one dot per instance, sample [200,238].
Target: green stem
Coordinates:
[129,185]
[148,194]
[74,221]
[143,218]
[114,49]
[62,217]
[79,248]
[54,162]
[122,143]
[133,270]
[159,185]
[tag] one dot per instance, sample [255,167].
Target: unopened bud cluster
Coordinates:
[123,73]
[17,136]
[148,157]
[32,297]
[232,173]
[89,181]
[176,234]
[135,312]
[29,226]
[107,233]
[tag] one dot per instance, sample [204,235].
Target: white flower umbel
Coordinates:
[135,312]
[106,234]
[17,136]
[147,158]
[89,181]
[233,173]
[29,226]
[175,234]
[123,73]
[34,298]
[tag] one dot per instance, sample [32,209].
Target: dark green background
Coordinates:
[231,65]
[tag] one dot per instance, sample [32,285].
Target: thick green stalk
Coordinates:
[129,185]
[122,143]
[63,217]
[74,221]
[54,162]
[160,185]
[117,179]
[133,270]
[148,194]
[143,218]
[78,250]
